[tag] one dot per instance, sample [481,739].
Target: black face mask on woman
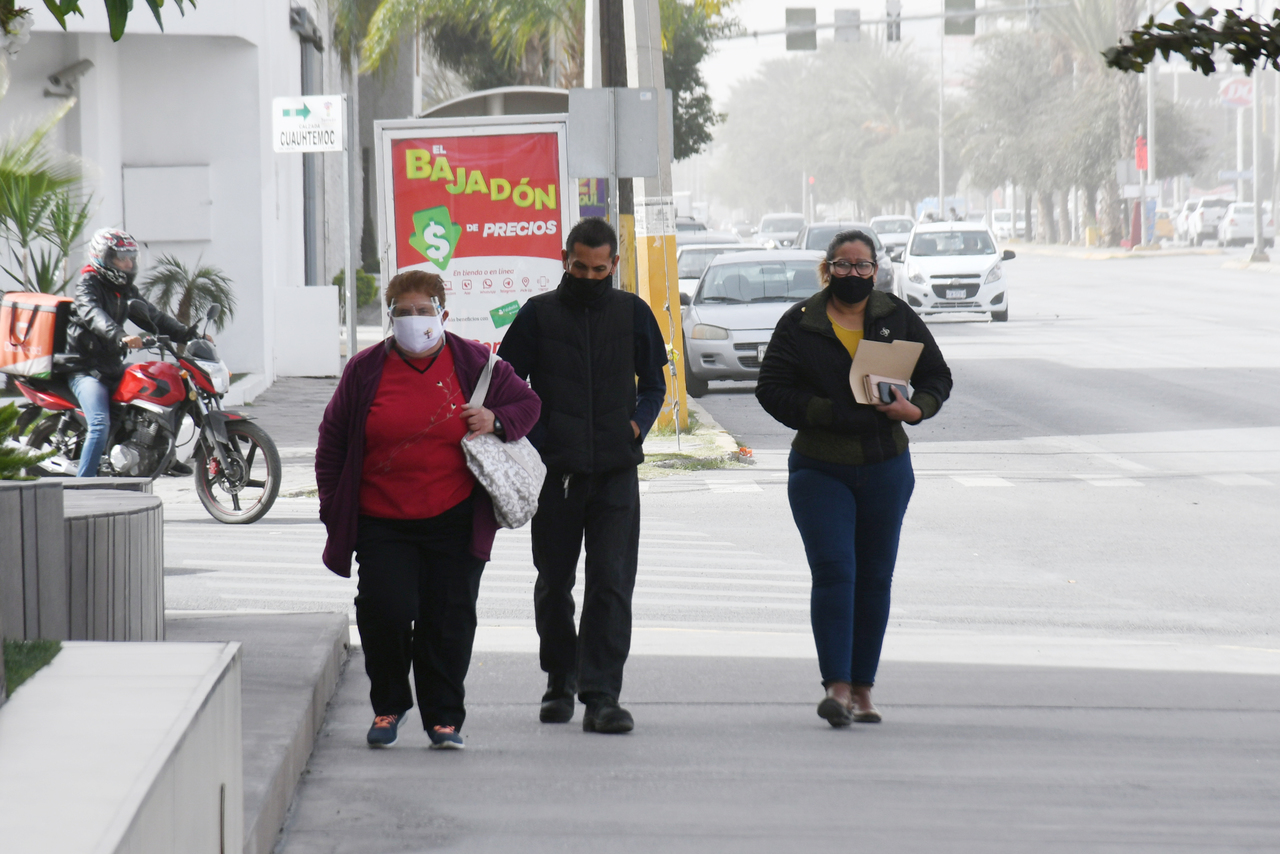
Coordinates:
[587,290]
[852,289]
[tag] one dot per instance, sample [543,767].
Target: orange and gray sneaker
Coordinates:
[383,731]
[445,738]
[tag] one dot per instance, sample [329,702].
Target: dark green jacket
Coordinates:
[804,381]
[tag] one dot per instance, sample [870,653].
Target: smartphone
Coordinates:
[886,396]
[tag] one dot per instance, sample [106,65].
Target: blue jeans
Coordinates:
[849,519]
[94,397]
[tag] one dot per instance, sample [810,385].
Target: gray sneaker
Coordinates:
[383,731]
[445,738]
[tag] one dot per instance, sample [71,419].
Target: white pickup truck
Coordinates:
[1202,224]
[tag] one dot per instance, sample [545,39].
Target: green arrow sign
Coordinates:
[302,113]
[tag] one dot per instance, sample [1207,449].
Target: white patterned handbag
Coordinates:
[511,472]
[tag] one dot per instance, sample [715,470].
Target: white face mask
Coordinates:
[416,333]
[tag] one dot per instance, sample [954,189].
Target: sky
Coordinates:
[737,59]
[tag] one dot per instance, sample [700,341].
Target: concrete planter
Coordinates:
[34,583]
[87,565]
[144,754]
[115,565]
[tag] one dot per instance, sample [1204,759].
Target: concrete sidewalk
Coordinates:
[728,754]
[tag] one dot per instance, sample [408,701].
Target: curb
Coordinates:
[246,389]
[291,664]
[1103,254]
[720,436]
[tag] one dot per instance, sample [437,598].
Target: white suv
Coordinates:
[1202,223]
[955,267]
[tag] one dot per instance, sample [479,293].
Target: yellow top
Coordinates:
[848,337]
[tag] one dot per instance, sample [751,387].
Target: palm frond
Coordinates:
[187,294]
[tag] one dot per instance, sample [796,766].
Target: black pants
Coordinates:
[603,509]
[416,606]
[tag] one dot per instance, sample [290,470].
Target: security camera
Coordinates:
[67,77]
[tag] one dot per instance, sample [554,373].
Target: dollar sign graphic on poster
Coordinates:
[435,235]
[437,246]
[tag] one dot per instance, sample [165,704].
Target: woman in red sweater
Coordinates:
[395,490]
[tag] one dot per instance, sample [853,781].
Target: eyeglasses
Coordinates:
[408,310]
[844,268]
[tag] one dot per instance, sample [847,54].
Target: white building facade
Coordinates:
[175,132]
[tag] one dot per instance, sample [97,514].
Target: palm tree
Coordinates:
[183,293]
[42,212]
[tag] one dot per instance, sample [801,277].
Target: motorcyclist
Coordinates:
[97,341]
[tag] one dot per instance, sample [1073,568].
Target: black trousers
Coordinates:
[604,511]
[416,607]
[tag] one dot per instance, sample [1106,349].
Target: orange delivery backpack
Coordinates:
[33,328]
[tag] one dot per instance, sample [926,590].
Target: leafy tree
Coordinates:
[117,12]
[492,43]
[1197,36]
[184,293]
[861,119]
[43,211]
[15,457]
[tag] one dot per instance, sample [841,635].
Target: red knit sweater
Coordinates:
[414,467]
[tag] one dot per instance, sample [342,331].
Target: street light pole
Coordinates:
[1259,251]
[942,160]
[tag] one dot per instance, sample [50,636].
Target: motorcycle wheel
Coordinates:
[41,438]
[242,496]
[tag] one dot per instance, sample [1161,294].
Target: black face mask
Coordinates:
[587,290]
[852,289]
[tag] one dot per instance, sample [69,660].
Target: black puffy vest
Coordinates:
[586,378]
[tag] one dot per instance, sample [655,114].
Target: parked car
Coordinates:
[688,223]
[1236,227]
[1002,223]
[1163,227]
[1182,221]
[893,231]
[730,317]
[692,260]
[955,267]
[778,231]
[743,229]
[818,235]
[1203,222]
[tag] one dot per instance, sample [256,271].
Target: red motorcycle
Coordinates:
[154,408]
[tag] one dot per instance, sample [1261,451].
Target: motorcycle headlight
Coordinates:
[218,374]
[915,275]
[996,274]
[707,332]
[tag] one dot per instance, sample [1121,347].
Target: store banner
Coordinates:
[486,210]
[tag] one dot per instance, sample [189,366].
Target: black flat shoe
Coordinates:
[557,703]
[835,712]
[606,716]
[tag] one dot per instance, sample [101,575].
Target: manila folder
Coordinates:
[892,359]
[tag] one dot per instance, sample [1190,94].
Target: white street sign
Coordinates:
[309,123]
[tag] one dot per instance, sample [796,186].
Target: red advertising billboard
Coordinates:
[484,207]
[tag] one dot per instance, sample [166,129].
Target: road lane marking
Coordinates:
[1238,479]
[980,480]
[732,486]
[1109,480]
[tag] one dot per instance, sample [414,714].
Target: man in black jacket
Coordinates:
[97,340]
[582,348]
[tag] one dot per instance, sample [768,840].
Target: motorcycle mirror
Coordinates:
[213,312]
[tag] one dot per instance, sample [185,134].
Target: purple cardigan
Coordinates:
[340,450]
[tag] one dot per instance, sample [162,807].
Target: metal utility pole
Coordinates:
[1142,186]
[1151,126]
[1259,249]
[942,151]
[1240,152]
